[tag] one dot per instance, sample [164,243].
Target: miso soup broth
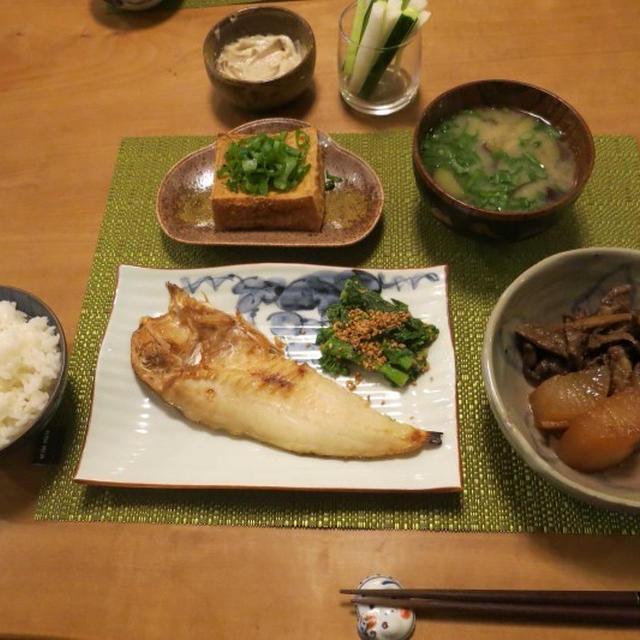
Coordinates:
[500,159]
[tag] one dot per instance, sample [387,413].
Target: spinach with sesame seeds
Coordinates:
[375,334]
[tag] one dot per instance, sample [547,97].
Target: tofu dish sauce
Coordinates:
[499,159]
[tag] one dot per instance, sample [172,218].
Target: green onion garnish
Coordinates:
[262,163]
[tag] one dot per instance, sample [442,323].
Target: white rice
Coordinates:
[30,360]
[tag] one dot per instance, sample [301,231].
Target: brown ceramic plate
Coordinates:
[353,207]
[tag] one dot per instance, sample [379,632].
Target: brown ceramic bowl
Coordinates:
[269,94]
[512,225]
[570,280]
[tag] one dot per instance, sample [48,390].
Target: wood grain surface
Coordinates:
[76,79]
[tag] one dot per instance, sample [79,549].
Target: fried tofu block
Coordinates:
[301,209]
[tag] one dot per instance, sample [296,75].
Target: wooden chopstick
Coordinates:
[585,614]
[586,597]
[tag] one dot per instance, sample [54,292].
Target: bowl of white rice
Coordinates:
[33,364]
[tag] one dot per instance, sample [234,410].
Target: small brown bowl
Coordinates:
[496,225]
[268,94]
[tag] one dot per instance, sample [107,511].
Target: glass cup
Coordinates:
[367,82]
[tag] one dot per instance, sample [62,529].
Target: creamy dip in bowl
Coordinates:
[260,57]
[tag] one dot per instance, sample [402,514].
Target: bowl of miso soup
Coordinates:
[500,158]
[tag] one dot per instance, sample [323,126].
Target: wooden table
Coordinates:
[75,80]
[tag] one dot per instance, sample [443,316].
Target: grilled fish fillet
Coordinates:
[221,372]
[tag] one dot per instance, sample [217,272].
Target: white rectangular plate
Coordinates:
[134,438]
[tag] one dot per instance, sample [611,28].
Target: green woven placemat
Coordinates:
[500,492]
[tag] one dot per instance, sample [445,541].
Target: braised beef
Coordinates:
[599,339]
[548,339]
[617,300]
[546,368]
[576,341]
[609,336]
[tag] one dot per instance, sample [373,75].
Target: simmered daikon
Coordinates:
[605,435]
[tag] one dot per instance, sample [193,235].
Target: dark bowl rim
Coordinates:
[492,214]
[219,77]
[61,380]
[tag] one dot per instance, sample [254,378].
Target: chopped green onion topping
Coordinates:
[259,164]
[487,175]
[331,181]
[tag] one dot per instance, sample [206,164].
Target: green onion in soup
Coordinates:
[500,159]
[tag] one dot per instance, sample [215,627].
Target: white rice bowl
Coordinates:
[30,362]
